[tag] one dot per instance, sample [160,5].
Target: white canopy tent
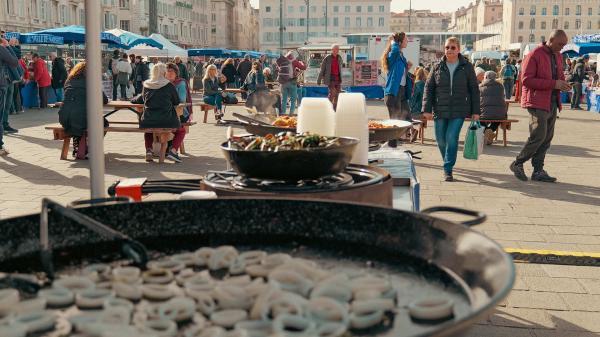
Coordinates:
[169,50]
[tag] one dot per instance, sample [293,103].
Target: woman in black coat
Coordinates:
[228,69]
[160,98]
[452,94]
[493,104]
[73,113]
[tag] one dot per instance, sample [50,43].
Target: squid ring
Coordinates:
[257,270]
[237,266]
[291,281]
[367,294]
[337,291]
[177,309]
[240,281]
[375,304]
[57,297]
[327,309]
[128,291]
[287,303]
[126,274]
[213,331]
[292,325]
[37,321]
[97,272]
[222,257]
[203,255]
[370,282]
[252,257]
[172,265]
[92,298]
[8,298]
[188,259]
[162,327]
[232,297]
[274,260]
[184,276]
[330,329]
[228,318]
[158,292]
[114,302]
[13,330]
[255,328]
[431,308]
[75,283]
[367,320]
[157,276]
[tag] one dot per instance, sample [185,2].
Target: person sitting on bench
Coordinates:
[492,103]
[73,113]
[160,98]
[212,91]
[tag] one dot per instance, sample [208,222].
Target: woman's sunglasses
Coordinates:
[451,47]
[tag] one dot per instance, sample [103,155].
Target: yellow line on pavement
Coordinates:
[551,252]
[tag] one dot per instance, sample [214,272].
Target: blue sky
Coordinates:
[435,5]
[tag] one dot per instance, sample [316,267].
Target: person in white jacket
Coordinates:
[124,73]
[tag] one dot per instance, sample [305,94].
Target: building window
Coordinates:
[336,22]
[290,9]
[370,9]
[543,38]
[267,9]
[521,11]
[381,22]
[301,22]
[555,10]
[589,26]
[358,9]
[567,11]
[520,39]
[531,38]
[543,25]
[566,25]
[124,25]
[590,11]
[544,11]
[578,10]
[555,24]
[577,24]
[532,10]
[346,22]
[532,23]
[336,9]
[369,22]
[347,9]
[381,9]
[313,9]
[124,4]
[358,22]
[520,24]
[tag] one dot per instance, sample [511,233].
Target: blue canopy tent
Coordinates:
[215,52]
[130,40]
[27,38]
[586,38]
[76,35]
[579,49]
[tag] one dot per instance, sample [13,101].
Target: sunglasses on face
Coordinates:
[451,47]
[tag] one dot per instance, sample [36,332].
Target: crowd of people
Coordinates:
[454,89]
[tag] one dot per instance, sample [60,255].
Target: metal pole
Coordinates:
[409,13]
[307,18]
[326,10]
[281,26]
[94,98]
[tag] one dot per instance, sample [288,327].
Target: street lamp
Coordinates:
[281,26]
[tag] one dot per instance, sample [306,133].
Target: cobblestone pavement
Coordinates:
[547,300]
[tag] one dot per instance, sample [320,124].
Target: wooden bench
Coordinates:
[160,135]
[505,124]
[185,125]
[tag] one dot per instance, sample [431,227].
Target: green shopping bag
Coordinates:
[473,141]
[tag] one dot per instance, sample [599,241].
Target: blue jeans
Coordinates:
[289,90]
[60,94]
[508,87]
[3,90]
[299,93]
[215,100]
[447,131]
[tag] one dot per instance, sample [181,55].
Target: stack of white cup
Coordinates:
[316,115]
[351,121]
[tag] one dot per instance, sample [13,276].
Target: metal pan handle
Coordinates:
[479,217]
[101,201]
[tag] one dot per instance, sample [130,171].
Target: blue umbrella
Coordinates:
[28,38]
[76,35]
[216,52]
[130,40]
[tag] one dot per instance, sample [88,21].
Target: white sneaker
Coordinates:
[3,152]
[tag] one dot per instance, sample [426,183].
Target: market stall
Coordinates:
[169,50]
[130,40]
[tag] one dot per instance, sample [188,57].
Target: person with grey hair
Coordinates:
[331,74]
[479,72]
[243,69]
[492,104]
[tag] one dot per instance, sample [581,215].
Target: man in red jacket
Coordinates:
[42,78]
[543,80]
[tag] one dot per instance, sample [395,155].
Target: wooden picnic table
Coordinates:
[137,108]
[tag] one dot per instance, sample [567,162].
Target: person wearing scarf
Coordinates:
[160,98]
